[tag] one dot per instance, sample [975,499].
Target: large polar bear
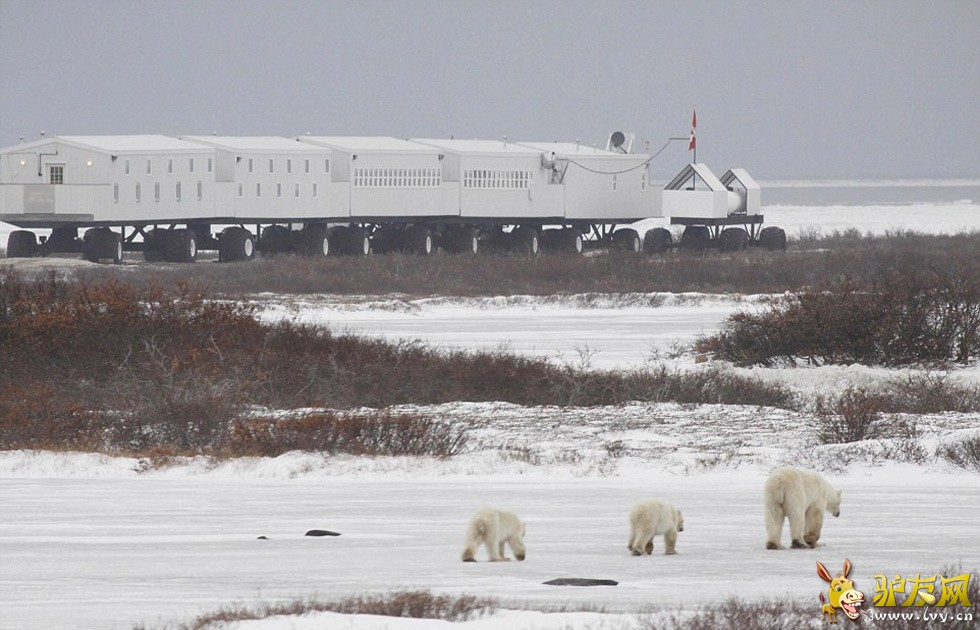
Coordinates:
[654,518]
[802,496]
[493,527]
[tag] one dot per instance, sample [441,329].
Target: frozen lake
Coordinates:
[608,336]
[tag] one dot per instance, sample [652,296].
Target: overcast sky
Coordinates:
[786,89]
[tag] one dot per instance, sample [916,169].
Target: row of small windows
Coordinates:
[296,190]
[178,191]
[289,165]
[170,166]
[397,177]
[511,180]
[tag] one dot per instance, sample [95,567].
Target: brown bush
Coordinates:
[965,454]
[919,311]
[379,433]
[416,604]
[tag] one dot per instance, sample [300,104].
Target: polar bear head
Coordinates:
[679,520]
[833,502]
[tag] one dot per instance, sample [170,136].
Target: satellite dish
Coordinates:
[617,139]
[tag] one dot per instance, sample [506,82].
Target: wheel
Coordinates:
[276,239]
[102,244]
[154,242]
[314,241]
[179,246]
[657,241]
[733,239]
[462,240]
[419,240]
[360,242]
[570,240]
[772,238]
[526,240]
[353,241]
[21,244]
[236,243]
[627,240]
[695,237]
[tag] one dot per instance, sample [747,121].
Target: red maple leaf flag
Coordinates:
[694,124]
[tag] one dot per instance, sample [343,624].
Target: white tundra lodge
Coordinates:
[317,196]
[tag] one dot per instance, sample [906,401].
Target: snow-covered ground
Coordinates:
[93,542]
[89,542]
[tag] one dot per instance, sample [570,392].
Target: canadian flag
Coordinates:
[694,124]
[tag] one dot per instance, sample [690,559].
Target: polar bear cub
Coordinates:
[651,518]
[802,496]
[492,528]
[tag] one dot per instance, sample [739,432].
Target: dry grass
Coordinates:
[414,604]
[754,271]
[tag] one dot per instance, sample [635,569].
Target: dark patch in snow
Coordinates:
[321,532]
[580,582]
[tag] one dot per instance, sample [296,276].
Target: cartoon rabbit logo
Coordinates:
[842,594]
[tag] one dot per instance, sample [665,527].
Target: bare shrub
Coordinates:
[852,416]
[965,453]
[930,392]
[380,433]
[418,604]
[916,308]
[737,614]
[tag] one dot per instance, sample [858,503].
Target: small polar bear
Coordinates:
[654,518]
[802,496]
[493,528]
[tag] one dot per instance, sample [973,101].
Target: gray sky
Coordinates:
[786,89]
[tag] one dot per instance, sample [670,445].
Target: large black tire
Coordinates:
[696,238]
[276,239]
[627,240]
[236,243]
[314,241]
[102,245]
[353,241]
[733,239]
[462,240]
[154,244]
[179,246]
[772,238]
[526,240]
[22,244]
[570,240]
[419,240]
[657,241]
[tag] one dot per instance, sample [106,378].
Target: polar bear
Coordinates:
[493,527]
[800,495]
[651,518]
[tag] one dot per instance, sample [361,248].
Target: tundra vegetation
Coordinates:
[145,360]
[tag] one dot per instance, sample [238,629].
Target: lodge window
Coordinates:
[56,173]
[177,191]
